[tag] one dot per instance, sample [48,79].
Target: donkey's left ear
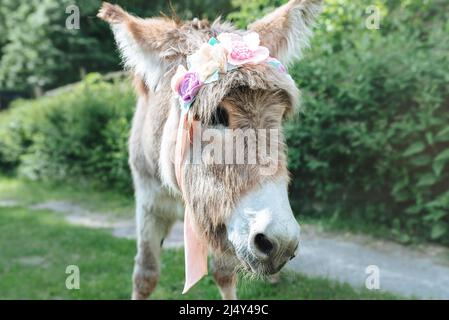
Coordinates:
[145,44]
[286,31]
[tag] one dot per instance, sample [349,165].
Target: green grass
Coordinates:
[37,246]
[31,192]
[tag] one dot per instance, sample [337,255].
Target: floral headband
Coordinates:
[227,52]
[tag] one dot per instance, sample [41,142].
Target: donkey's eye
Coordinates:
[220,117]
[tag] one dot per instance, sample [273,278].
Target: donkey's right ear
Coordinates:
[286,31]
[143,43]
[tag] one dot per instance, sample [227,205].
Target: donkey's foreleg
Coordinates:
[152,228]
[225,277]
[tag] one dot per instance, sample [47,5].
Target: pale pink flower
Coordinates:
[243,49]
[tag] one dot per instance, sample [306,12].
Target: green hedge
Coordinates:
[372,144]
[79,133]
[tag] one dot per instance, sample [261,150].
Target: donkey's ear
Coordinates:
[287,30]
[143,43]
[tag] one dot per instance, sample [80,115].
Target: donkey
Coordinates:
[243,215]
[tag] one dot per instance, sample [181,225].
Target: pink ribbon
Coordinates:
[195,248]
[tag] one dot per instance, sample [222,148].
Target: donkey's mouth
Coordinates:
[247,263]
[263,270]
[258,268]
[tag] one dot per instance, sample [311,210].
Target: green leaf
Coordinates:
[443,156]
[426,180]
[421,160]
[429,138]
[404,238]
[441,201]
[399,186]
[435,215]
[443,135]
[438,230]
[414,209]
[438,167]
[414,149]
[399,191]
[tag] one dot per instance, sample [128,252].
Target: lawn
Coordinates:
[31,192]
[36,246]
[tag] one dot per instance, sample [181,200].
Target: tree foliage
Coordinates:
[37,50]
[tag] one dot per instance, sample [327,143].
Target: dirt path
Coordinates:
[422,272]
[121,228]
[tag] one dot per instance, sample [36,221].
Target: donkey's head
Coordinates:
[236,191]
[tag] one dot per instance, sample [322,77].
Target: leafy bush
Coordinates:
[373,143]
[74,134]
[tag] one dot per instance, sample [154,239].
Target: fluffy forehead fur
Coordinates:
[258,77]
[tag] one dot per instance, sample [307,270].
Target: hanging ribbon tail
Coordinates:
[181,144]
[195,251]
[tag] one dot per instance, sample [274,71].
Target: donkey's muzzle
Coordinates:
[271,253]
[263,229]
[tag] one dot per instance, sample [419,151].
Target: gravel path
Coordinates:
[422,272]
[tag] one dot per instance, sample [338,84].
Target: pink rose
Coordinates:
[189,86]
[240,51]
[243,49]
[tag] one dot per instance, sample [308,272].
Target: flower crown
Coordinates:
[227,52]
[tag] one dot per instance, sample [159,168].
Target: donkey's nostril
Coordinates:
[263,244]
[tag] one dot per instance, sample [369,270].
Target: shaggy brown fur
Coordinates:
[248,109]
